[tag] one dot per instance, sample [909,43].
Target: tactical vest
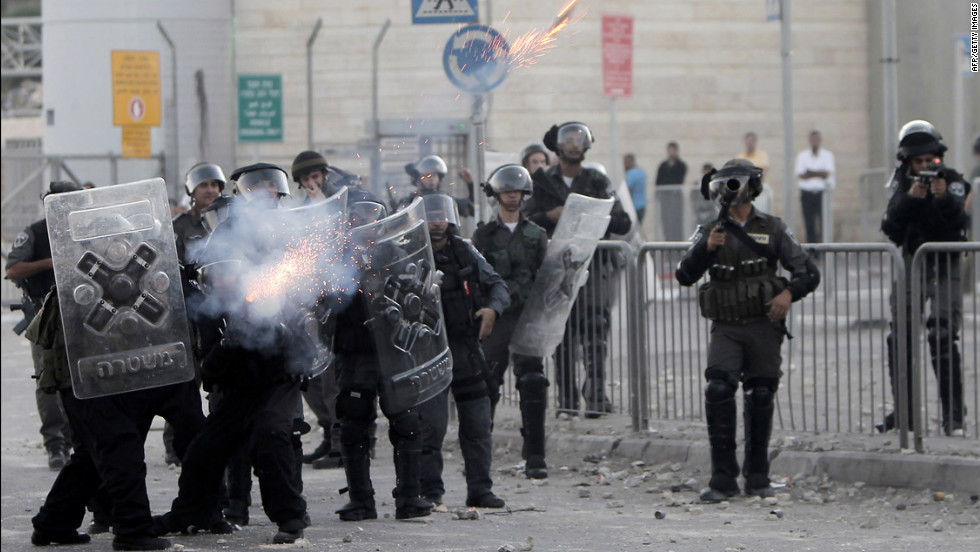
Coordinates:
[461,295]
[513,257]
[45,331]
[741,282]
[38,285]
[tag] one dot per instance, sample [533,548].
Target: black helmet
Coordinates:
[558,134]
[431,164]
[60,187]
[530,150]
[253,177]
[340,177]
[201,173]
[918,137]
[731,179]
[307,161]
[508,178]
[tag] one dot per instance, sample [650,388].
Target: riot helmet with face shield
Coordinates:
[430,172]
[203,173]
[441,215]
[570,140]
[361,213]
[919,137]
[261,182]
[508,178]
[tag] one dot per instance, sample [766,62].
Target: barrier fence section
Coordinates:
[944,312]
[835,368]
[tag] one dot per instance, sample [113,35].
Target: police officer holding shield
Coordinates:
[928,205]
[473,297]
[515,247]
[747,303]
[589,327]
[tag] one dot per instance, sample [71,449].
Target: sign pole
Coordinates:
[613,169]
[789,179]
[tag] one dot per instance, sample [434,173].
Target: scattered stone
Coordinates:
[466,514]
[938,525]
[784,498]
[659,514]
[676,467]
[771,501]
[615,504]
[901,507]
[777,513]
[608,496]
[967,519]
[506,547]
[349,537]
[527,545]
[859,484]
[695,510]
[539,482]
[638,463]
[872,522]
[593,458]
[939,496]
[668,498]
[690,484]
[584,493]
[974,498]
[753,500]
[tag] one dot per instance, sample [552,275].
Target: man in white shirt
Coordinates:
[815,169]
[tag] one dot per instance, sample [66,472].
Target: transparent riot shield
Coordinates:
[565,269]
[404,307]
[122,307]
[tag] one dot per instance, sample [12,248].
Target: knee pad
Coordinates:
[759,397]
[718,390]
[533,384]
[941,336]
[405,425]
[356,405]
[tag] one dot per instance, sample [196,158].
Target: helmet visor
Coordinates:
[365,212]
[204,173]
[574,134]
[263,181]
[441,208]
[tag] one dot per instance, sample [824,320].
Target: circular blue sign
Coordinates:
[476,59]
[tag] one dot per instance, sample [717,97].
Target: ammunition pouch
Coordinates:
[739,295]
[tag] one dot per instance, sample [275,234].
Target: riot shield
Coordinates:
[122,306]
[541,326]
[404,307]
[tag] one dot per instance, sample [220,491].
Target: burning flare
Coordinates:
[528,47]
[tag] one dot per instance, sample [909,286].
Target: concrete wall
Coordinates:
[78,39]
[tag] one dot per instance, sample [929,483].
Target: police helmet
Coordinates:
[308,161]
[361,213]
[60,187]
[508,178]
[431,164]
[441,208]
[733,177]
[530,150]
[201,173]
[255,178]
[918,137]
[570,132]
[216,213]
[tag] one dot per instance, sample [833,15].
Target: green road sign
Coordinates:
[260,108]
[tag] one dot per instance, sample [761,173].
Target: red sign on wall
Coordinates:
[617,56]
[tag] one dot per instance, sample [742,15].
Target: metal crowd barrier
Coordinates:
[950,329]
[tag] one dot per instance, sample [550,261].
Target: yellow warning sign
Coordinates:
[135,88]
[136,141]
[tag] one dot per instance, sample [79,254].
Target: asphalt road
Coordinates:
[590,503]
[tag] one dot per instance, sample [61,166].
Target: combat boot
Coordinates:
[320,451]
[759,406]
[946,365]
[533,403]
[407,492]
[357,467]
[44,538]
[597,402]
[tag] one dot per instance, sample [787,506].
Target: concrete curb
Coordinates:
[916,471]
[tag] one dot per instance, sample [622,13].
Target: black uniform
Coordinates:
[32,245]
[745,344]
[589,318]
[516,256]
[468,284]
[909,222]
[188,228]
[359,379]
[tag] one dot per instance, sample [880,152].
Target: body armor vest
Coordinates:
[38,285]
[513,256]
[461,295]
[741,282]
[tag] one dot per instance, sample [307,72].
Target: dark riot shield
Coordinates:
[541,326]
[122,307]
[404,308]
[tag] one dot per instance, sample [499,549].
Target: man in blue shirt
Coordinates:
[636,181]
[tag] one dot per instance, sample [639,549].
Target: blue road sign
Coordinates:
[476,59]
[444,11]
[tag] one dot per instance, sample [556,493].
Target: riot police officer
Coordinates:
[534,156]
[359,377]
[747,304]
[256,363]
[515,247]
[428,175]
[204,182]
[29,266]
[473,297]
[927,205]
[589,319]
